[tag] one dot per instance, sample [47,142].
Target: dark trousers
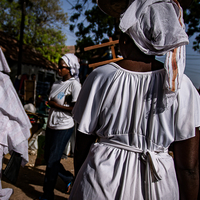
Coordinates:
[55,142]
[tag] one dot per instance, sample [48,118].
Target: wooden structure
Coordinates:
[29,90]
[111,43]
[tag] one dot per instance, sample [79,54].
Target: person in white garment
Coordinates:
[60,124]
[130,112]
[14,123]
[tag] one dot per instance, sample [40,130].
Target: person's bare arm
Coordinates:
[53,104]
[82,147]
[186,158]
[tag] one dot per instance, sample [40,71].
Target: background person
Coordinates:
[60,123]
[137,107]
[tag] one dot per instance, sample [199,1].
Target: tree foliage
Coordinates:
[192,19]
[93,26]
[43,25]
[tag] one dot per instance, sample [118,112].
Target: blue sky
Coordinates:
[192,69]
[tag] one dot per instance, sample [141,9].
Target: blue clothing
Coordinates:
[55,142]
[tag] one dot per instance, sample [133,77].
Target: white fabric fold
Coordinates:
[56,91]
[14,122]
[154,25]
[3,63]
[151,160]
[72,62]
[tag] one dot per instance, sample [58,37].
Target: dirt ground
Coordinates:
[30,181]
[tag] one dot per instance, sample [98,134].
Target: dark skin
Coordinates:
[81,149]
[186,159]
[185,4]
[65,73]
[186,152]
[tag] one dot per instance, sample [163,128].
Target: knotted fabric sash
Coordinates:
[151,160]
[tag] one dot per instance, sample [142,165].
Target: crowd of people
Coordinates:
[137,120]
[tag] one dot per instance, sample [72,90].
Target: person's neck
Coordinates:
[67,77]
[140,65]
[141,57]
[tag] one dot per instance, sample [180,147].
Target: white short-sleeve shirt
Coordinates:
[60,90]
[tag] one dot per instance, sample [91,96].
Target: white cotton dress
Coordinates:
[136,120]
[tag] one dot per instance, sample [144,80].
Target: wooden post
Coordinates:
[113,48]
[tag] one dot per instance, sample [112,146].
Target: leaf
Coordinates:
[43,24]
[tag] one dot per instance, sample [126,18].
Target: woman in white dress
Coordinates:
[137,108]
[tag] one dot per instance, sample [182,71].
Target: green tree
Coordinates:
[10,23]
[43,24]
[94,26]
[192,19]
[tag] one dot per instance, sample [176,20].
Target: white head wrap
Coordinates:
[157,28]
[72,62]
[3,63]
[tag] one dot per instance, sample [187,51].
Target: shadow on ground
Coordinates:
[30,182]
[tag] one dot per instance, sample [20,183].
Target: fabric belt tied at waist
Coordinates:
[150,158]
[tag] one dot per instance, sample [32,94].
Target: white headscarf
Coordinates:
[3,63]
[72,62]
[157,28]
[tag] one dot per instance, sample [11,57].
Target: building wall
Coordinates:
[31,69]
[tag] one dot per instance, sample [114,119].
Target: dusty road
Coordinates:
[30,180]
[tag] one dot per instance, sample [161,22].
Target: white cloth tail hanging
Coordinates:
[175,62]
[175,66]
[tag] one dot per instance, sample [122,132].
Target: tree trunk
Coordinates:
[21,37]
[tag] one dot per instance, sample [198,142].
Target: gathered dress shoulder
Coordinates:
[136,120]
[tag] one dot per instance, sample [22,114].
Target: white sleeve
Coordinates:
[188,112]
[86,108]
[76,87]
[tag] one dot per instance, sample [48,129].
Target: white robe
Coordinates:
[14,126]
[136,121]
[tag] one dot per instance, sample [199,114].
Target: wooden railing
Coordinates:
[111,43]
